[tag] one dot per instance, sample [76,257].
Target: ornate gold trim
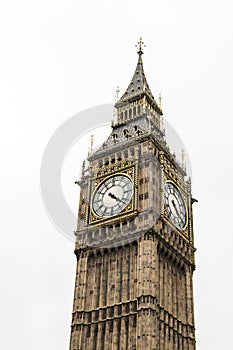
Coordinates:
[184,230]
[126,168]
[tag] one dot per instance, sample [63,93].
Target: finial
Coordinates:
[91,144]
[183,159]
[160,101]
[92,140]
[140,46]
[117,94]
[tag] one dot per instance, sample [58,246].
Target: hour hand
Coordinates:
[112,195]
[174,205]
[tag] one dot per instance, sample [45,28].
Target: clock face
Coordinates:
[112,195]
[174,205]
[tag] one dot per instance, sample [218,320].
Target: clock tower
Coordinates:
[134,237]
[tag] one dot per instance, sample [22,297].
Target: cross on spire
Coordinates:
[140,46]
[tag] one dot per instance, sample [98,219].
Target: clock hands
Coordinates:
[112,195]
[177,211]
[174,205]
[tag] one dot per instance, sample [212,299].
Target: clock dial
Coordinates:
[112,195]
[174,205]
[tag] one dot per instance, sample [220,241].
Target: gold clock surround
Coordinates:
[127,168]
[184,231]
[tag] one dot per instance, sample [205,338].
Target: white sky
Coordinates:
[60,57]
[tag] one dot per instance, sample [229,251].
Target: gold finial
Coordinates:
[140,46]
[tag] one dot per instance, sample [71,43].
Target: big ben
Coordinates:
[134,238]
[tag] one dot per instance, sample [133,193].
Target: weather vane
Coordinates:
[140,46]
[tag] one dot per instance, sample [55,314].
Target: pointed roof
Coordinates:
[138,86]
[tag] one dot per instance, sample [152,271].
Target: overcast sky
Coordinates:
[61,57]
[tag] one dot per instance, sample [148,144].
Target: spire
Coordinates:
[138,86]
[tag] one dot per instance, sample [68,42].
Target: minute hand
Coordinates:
[120,200]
